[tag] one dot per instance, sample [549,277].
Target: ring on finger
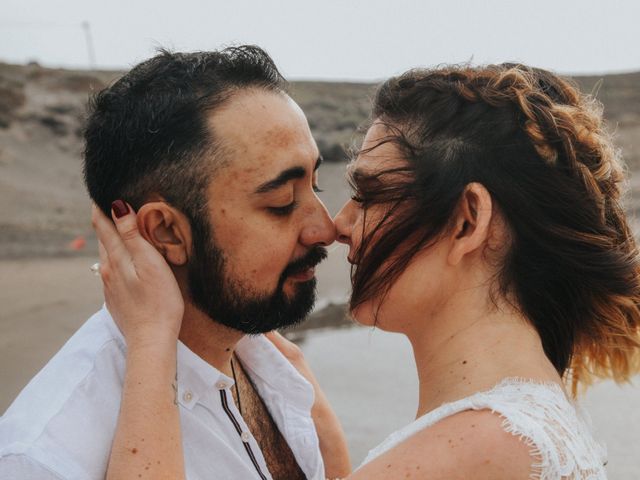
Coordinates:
[95,268]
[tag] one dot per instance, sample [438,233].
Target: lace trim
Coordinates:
[557,431]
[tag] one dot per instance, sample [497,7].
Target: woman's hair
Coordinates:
[540,148]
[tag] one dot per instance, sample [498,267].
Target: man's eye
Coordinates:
[285,210]
[317,189]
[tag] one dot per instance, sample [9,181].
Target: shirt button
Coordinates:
[187,396]
[245,436]
[221,385]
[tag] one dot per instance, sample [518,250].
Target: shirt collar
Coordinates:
[269,368]
[195,376]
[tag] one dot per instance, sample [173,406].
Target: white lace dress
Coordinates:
[556,429]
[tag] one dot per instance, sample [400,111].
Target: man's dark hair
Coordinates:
[149,133]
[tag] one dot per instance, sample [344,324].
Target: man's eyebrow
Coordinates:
[285,176]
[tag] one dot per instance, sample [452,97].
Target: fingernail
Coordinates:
[120,209]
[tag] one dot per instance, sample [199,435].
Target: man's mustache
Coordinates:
[313,257]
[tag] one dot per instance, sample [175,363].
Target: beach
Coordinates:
[368,375]
[47,246]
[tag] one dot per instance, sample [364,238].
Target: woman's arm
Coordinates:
[333,443]
[145,301]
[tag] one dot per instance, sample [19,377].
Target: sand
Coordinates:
[47,291]
[44,301]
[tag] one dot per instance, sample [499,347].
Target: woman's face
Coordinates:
[419,287]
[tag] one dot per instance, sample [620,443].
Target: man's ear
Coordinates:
[472,220]
[167,229]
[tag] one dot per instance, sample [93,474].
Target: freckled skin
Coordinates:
[264,134]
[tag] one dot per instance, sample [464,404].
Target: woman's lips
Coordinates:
[305,275]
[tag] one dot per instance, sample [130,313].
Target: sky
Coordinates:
[331,39]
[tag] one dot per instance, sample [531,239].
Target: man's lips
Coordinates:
[304,275]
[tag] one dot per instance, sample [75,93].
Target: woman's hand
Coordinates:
[140,290]
[333,443]
[144,299]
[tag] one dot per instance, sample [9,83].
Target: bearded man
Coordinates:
[221,168]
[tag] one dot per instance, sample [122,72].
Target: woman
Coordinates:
[485,226]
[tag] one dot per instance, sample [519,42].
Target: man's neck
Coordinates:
[210,340]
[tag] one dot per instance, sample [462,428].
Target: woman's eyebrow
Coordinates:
[360,178]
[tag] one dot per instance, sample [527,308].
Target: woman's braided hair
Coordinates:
[542,150]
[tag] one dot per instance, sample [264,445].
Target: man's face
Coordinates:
[253,269]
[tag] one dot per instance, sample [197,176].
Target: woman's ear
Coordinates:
[167,229]
[472,220]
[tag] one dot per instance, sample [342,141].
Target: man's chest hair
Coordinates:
[279,457]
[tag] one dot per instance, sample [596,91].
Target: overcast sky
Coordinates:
[332,39]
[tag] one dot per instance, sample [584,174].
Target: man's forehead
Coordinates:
[259,117]
[262,133]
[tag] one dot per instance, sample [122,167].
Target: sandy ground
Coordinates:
[45,301]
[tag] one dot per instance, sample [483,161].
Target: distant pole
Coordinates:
[89,40]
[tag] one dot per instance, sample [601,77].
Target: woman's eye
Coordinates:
[317,189]
[357,196]
[284,210]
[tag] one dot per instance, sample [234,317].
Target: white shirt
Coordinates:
[62,424]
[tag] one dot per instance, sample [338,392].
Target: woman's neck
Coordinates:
[463,349]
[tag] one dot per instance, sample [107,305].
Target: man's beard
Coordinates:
[224,300]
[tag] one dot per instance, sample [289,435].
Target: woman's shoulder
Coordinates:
[521,422]
[556,428]
[469,444]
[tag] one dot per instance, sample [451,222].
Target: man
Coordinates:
[221,167]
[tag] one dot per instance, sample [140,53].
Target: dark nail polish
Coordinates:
[120,209]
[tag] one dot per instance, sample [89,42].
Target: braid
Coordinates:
[571,129]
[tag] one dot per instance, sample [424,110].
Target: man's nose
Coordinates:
[319,228]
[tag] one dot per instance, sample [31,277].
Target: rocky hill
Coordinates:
[44,205]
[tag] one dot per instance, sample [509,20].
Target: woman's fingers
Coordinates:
[127,225]
[104,259]
[277,339]
[289,349]
[107,234]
